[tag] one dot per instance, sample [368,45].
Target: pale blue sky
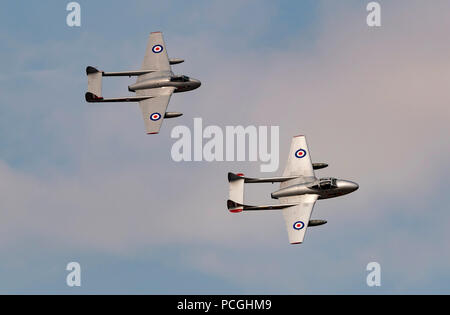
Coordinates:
[83,183]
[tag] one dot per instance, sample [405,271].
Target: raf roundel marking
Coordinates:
[157,49]
[298,225]
[300,153]
[155,116]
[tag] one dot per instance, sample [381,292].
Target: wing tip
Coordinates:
[297,136]
[155,32]
[296,243]
[152,133]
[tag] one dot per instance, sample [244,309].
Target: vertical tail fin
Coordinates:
[236,192]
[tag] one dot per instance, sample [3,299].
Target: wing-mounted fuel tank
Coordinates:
[175,61]
[172,114]
[318,166]
[316,222]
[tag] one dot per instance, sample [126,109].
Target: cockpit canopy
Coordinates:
[179,78]
[325,183]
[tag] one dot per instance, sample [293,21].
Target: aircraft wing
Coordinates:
[297,217]
[299,160]
[153,109]
[156,57]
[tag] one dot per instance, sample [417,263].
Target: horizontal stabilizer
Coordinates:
[232,205]
[94,81]
[236,192]
[92,98]
[232,177]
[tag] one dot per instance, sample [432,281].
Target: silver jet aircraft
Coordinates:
[154,85]
[299,190]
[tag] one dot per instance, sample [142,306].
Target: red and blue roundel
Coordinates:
[298,225]
[300,153]
[157,49]
[155,116]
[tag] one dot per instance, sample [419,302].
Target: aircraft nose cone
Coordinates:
[353,186]
[197,83]
[347,186]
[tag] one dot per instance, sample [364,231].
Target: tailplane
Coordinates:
[236,200]
[94,82]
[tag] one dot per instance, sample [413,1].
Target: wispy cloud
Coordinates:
[373,103]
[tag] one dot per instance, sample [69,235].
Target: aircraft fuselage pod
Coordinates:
[324,187]
[181,83]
